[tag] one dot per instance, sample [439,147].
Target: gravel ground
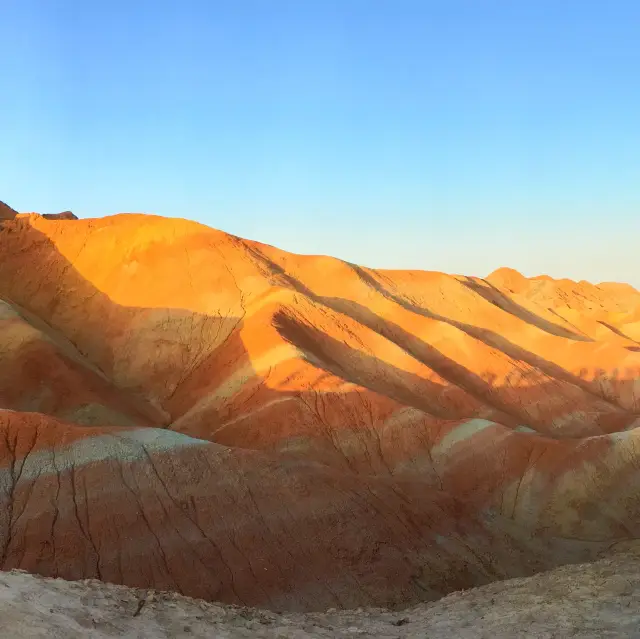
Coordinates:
[592,600]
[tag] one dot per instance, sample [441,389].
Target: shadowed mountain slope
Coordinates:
[211,415]
[6,212]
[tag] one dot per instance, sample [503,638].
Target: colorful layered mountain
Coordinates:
[191,411]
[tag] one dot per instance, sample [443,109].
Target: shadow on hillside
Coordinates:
[603,386]
[174,357]
[617,331]
[498,298]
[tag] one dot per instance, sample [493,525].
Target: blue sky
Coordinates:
[455,135]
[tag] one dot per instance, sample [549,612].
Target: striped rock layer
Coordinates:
[186,410]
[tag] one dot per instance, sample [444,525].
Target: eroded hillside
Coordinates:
[192,411]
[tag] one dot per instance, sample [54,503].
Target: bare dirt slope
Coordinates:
[596,600]
[188,410]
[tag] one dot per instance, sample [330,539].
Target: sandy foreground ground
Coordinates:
[593,600]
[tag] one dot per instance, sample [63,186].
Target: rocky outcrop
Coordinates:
[201,413]
[65,215]
[7,213]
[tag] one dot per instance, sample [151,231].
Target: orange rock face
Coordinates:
[188,410]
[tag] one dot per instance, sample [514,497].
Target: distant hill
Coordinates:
[6,212]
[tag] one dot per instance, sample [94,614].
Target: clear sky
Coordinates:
[455,135]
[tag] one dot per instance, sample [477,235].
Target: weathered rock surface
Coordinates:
[206,414]
[596,600]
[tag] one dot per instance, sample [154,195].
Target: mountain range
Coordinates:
[186,410]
